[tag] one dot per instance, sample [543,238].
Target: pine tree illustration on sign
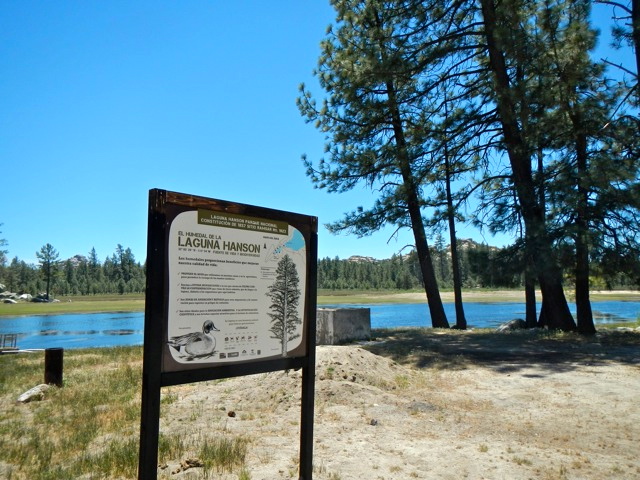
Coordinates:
[285,296]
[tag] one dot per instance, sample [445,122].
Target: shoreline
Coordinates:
[476,296]
[137,303]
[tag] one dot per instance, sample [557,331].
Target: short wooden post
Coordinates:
[53,366]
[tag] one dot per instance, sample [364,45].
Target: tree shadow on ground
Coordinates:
[505,351]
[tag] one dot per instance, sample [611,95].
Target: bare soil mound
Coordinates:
[433,405]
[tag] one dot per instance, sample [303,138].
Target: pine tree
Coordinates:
[371,67]
[95,272]
[508,54]
[49,265]
[3,252]
[285,297]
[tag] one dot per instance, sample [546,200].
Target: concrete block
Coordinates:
[341,325]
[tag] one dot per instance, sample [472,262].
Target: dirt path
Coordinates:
[427,405]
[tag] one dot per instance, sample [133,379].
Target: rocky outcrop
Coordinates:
[6,295]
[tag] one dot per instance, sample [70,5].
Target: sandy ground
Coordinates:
[430,405]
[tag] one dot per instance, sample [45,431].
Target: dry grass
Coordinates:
[90,427]
[87,427]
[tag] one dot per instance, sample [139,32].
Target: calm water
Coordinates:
[76,330]
[482,315]
[113,329]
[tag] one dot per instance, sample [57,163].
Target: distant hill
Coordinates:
[464,244]
[361,259]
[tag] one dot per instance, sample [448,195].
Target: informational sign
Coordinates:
[231,291]
[237,289]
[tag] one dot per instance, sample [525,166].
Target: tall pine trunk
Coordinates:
[48,274]
[436,309]
[529,272]
[635,33]
[410,185]
[555,307]
[583,304]
[461,320]
[530,293]
[412,198]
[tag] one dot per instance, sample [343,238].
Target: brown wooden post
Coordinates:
[53,361]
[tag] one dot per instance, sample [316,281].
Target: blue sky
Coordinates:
[102,101]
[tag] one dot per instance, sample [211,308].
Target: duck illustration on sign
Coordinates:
[196,345]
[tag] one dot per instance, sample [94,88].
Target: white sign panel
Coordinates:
[236,288]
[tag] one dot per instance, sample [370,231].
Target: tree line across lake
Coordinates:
[481,266]
[79,275]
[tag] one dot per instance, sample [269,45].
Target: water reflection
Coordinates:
[76,330]
[80,332]
[122,331]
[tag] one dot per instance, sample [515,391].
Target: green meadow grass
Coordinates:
[89,428]
[79,304]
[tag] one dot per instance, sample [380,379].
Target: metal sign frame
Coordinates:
[164,208]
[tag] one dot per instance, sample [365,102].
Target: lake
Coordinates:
[114,329]
[76,330]
[485,315]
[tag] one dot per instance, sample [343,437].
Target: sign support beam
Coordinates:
[308,377]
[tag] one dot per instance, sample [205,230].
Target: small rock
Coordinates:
[231,413]
[373,422]
[35,393]
[516,324]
